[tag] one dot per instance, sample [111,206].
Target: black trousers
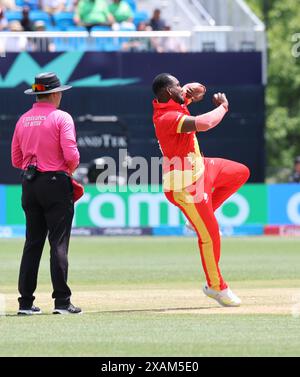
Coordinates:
[49,208]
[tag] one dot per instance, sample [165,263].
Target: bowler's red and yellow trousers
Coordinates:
[221,179]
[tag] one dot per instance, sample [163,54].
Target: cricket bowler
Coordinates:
[197,185]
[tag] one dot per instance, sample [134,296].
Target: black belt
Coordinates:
[30,174]
[53,172]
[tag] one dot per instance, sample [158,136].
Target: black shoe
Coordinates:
[29,311]
[69,309]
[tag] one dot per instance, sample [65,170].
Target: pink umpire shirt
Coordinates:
[49,134]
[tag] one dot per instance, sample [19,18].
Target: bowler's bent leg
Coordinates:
[226,178]
[201,216]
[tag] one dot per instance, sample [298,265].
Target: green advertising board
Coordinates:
[14,212]
[247,207]
[139,207]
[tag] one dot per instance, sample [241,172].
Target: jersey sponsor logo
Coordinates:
[33,121]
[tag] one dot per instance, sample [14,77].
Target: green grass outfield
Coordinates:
[142,297]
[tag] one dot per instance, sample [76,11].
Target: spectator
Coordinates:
[26,22]
[121,11]
[41,44]
[139,44]
[295,176]
[122,14]
[3,20]
[32,4]
[53,6]
[8,4]
[15,43]
[90,13]
[168,44]
[71,5]
[157,23]
[39,26]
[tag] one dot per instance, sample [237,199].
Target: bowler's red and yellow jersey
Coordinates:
[183,163]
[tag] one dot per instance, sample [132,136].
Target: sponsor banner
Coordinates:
[14,212]
[284,204]
[100,69]
[246,230]
[171,231]
[12,231]
[289,230]
[247,206]
[138,207]
[282,230]
[272,230]
[111,232]
[151,209]
[87,232]
[2,205]
[125,231]
[126,209]
[164,231]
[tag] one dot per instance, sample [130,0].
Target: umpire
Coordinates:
[44,147]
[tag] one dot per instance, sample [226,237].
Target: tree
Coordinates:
[283,90]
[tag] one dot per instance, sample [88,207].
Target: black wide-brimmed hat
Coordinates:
[45,83]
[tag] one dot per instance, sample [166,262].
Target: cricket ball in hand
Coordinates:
[198,90]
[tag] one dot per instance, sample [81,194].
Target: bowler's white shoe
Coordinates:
[225,297]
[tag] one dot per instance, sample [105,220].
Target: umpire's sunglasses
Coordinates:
[39,87]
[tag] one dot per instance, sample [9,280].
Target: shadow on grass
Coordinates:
[160,310]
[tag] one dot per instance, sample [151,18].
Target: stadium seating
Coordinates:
[104,44]
[64,20]
[65,44]
[32,4]
[127,27]
[13,15]
[40,15]
[74,28]
[140,16]
[132,3]
[52,28]
[101,28]
[35,15]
